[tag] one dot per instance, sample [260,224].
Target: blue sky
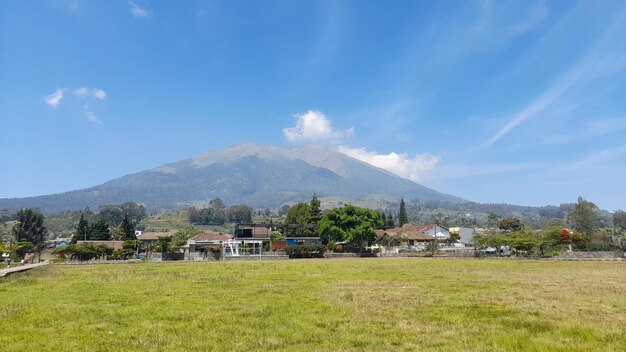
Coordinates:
[522,102]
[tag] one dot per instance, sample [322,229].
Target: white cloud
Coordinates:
[82,92]
[400,164]
[95,93]
[54,99]
[99,94]
[138,12]
[314,126]
[91,116]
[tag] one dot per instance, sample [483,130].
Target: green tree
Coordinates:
[240,213]
[510,224]
[402,217]
[22,247]
[454,237]
[114,214]
[299,213]
[82,230]
[349,223]
[390,221]
[494,240]
[315,214]
[492,220]
[100,231]
[523,240]
[619,220]
[582,217]
[162,244]
[218,208]
[30,227]
[128,229]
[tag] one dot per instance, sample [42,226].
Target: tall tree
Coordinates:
[240,213]
[299,213]
[128,229]
[248,217]
[391,223]
[583,216]
[315,212]
[30,227]
[492,220]
[218,211]
[402,217]
[100,231]
[82,230]
[619,220]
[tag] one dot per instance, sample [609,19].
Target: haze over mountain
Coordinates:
[260,176]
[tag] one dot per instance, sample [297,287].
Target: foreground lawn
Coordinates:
[318,305]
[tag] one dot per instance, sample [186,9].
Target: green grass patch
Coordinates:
[318,305]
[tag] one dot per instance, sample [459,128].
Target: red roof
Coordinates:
[152,236]
[406,232]
[211,236]
[418,228]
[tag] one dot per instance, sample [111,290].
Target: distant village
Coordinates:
[306,232]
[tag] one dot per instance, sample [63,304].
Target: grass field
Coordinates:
[318,305]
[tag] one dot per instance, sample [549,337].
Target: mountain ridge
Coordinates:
[257,175]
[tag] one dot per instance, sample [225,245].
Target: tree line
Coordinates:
[581,231]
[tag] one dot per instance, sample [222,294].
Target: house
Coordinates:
[58,242]
[44,256]
[297,241]
[248,239]
[252,238]
[201,242]
[433,230]
[407,235]
[149,237]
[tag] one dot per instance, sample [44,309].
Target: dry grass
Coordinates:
[318,305]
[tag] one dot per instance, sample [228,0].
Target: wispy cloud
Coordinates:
[594,128]
[314,126]
[54,99]
[139,12]
[593,63]
[563,84]
[82,94]
[331,34]
[595,159]
[401,164]
[95,93]
[91,116]
[462,170]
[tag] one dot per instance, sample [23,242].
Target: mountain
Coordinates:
[260,176]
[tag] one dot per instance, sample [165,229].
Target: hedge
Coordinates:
[306,251]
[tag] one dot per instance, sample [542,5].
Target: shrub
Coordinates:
[215,249]
[306,251]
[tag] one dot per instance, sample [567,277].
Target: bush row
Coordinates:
[306,251]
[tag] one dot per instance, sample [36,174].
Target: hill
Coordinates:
[260,176]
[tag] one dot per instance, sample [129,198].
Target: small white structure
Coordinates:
[466,234]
